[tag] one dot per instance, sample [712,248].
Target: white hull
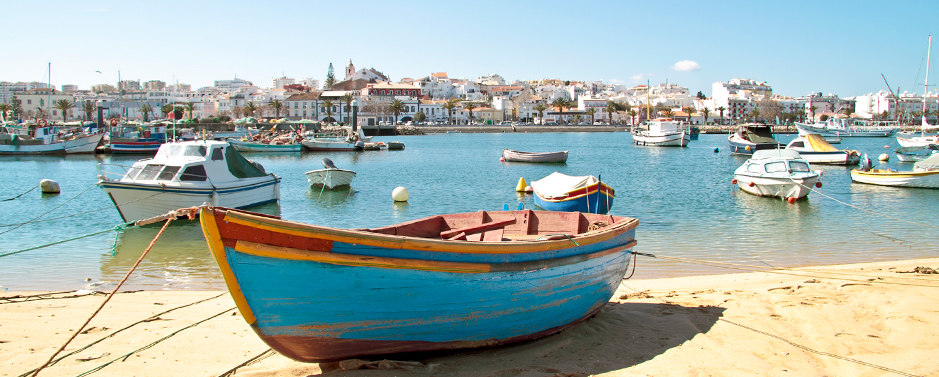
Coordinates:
[137,201]
[330,178]
[85,144]
[917,141]
[831,158]
[924,179]
[519,156]
[778,187]
[329,144]
[850,131]
[680,139]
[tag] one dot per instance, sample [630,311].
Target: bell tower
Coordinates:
[350,70]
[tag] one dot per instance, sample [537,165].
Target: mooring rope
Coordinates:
[262,356]
[815,190]
[56,207]
[81,213]
[27,192]
[148,319]
[188,211]
[62,241]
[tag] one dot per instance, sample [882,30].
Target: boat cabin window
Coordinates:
[798,166]
[755,168]
[149,172]
[798,144]
[193,173]
[217,154]
[168,173]
[777,166]
[176,150]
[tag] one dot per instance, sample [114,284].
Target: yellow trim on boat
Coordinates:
[401,242]
[893,174]
[262,250]
[214,239]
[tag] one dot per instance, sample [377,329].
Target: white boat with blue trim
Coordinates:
[776,172]
[187,174]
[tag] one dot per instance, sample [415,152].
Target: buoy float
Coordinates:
[818,184]
[884,157]
[791,200]
[528,189]
[501,159]
[716,150]
[747,148]
[751,184]
[520,187]
[886,147]
[49,186]
[733,181]
[400,194]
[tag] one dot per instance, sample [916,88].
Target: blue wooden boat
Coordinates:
[315,293]
[560,192]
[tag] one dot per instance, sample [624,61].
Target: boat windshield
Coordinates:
[799,166]
[775,166]
[177,150]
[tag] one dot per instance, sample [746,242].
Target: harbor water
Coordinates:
[683,198]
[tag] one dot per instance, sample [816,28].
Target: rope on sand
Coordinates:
[191,212]
[148,346]
[262,356]
[149,319]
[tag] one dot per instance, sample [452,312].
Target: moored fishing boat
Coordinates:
[849,127]
[781,173]
[752,137]
[663,132]
[143,138]
[18,139]
[816,150]
[315,293]
[512,155]
[330,177]
[187,174]
[925,174]
[561,192]
[282,144]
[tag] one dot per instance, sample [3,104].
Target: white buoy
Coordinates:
[884,157]
[400,194]
[49,186]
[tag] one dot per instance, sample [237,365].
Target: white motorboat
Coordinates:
[352,141]
[918,141]
[913,154]
[752,137]
[781,173]
[330,177]
[925,174]
[187,174]
[816,150]
[664,132]
[849,127]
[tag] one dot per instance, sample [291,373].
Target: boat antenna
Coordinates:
[925,123]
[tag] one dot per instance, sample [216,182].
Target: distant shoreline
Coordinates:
[710,129]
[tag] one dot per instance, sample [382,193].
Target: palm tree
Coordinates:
[277,106]
[801,114]
[690,110]
[469,107]
[560,103]
[88,107]
[755,113]
[721,109]
[249,109]
[590,112]
[146,109]
[611,109]
[189,106]
[706,112]
[397,107]
[347,98]
[449,106]
[166,109]
[632,116]
[64,105]
[328,104]
[4,109]
[667,112]
[540,108]
[812,110]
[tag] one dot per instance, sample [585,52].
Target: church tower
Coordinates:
[350,70]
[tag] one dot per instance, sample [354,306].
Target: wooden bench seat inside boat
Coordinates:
[500,225]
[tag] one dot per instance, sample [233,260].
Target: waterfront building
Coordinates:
[739,96]
[42,100]
[154,85]
[876,104]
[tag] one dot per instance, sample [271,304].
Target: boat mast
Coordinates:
[926,89]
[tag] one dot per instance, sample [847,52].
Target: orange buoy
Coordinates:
[733,181]
[751,184]
[818,184]
[501,159]
[791,200]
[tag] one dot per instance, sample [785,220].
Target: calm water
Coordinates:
[683,197]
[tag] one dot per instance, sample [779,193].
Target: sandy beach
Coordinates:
[869,319]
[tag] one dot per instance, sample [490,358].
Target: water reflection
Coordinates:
[400,210]
[331,198]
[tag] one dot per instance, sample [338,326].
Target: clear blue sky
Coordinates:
[798,47]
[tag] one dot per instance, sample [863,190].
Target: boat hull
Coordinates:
[135,146]
[917,141]
[339,145]
[680,139]
[830,158]
[849,132]
[136,201]
[747,148]
[588,199]
[327,294]
[518,156]
[924,179]
[247,146]
[330,178]
[795,187]
[85,144]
